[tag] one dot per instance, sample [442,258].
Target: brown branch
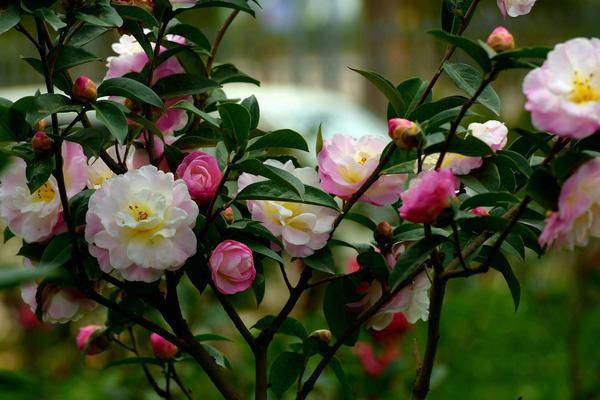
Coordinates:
[217,43]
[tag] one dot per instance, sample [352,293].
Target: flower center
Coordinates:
[362,157]
[139,212]
[583,89]
[45,193]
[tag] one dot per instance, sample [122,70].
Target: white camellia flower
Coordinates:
[515,8]
[303,228]
[140,224]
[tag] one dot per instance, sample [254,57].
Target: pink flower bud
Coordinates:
[42,144]
[480,211]
[84,90]
[232,267]
[383,234]
[84,335]
[200,172]
[428,195]
[405,134]
[501,40]
[162,348]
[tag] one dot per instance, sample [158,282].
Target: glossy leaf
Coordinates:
[10,16]
[192,34]
[491,199]
[50,103]
[269,190]
[131,89]
[236,123]
[321,260]
[113,119]
[412,258]
[285,371]
[180,85]
[471,48]
[469,79]
[387,89]
[283,138]
[283,177]
[11,277]
[290,326]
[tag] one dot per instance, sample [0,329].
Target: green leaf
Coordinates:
[319,141]
[282,138]
[10,16]
[8,234]
[485,179]
[180,85]
[113,118]
[469,146]
[93,139]
[412,258]
[255,167]
[289,327]
[11,277]
[135,361]
[101,13]
[521,163]
[50,103]
[321,260]
[228,73]
[131,89]
[136,13]
[58,251]
[338,370]
[192,34]
[219,358]
[453,12]
[50,17]
[270,190]
[241,5]
[236,123]
[524,52]
[260,248]
[38,172]
[411,91]
[71,56]
[483,223]
[398,103]
[338,294]
[205,337]
[253,108]
[407,167]
[469,79]
[499,263]
[491,199]
[470,47]
[284,371]
[362,220]
[186,105]
[429,110]
[544,188]
[86,34]
[376,263]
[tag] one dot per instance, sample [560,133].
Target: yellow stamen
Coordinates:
[583,91]
[44,193]
[139,212]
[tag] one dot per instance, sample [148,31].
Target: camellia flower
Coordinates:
[563,95]
[303,228]
[85,332]
[493,133]
[345,163]
[162,348]
[514,8]
[428,195]
[140,224]
[578,214]
[34,216]
[232,267]
[200,172]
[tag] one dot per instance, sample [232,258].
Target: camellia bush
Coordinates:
[126,189]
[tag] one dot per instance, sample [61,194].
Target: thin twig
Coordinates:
[217,43]
[159,391]
[234,316]
[179,383]
[456,241]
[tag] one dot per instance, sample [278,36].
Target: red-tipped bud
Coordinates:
[480,211]
[406,134]
[41,143]
[98,344]
[383,234]
[227,215]
[84,90]
[501,40]
[162,348]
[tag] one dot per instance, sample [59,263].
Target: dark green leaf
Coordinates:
[469,79]
[58,250]
[499,263]
[321,260]
[86,34]
[519,161]
[131,89]
[219,358]
[192,34]
[186,105]
[469,146]
[338,370]
[429,110]
[135,361]
[50,103]
[236,123]
[180,85]
[71,56]
[9,17]
[376,263]
[543,188]
[485,179]
[361,219]
[100,13]
[453,12]
[136,13]
[284,371]
[412,258]
[50,17]
[407,167]
[253,108]
[491,199]
[319,141]
[283,177]
[525,52]
[269,190]
[283,138]
[398,103]
[93,139]
[483,223]
[290,326]
[411,91]
[38,171]
[241,5]
[471,48]
[228,73]
[8,234]
[113,118]
[205,337]
[338,294]
[11,277]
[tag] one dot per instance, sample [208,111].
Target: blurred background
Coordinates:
[301,51]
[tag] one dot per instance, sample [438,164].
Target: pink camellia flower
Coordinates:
[501,39]
[563,95]
[232,267]
[140,224]
[200,172]
[515,8]
[34,216]
[405,133]
[578,214]
[303,228]
[84,90]
[345,163]
[84,335]
[162,348]
[428,195]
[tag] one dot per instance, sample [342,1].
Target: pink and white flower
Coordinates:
[303,228]
[232,267]
[515,8]
[578,215]
[34,216]
[345,163]
[563,95]
[140,224]
[200,172]
[428,195]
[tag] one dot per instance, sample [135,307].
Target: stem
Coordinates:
[261,380]
[179,383]
[234,317]
[149,376]
[286,279]
[457,249]
[218,39]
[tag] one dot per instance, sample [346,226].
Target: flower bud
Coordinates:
[324,335]
[41,143]
[162,348]
[227,215]
[383,234]
[99,342]
[405,134]
[480,211]
[501,40]
[84,90]
[41,124]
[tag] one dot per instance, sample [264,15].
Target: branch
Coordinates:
[234,316]
[217,42]
[159,391]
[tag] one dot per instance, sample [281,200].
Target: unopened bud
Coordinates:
[405,134]
[324,335]
[227,215]
[41,143]
[480,211]
[162,348]
[501,40]
[383,233]
[41,124]
[99,341]
[84,90]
